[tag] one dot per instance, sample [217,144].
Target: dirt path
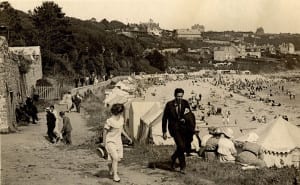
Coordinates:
[29,159]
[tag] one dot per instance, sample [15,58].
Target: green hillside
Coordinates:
[72,46]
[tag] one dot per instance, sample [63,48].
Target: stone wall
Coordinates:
[96,87]
[10,93]
[32,53]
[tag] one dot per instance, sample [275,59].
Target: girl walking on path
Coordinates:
[113,129]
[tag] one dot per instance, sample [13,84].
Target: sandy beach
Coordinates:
[237,104]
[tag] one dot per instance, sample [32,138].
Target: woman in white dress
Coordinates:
[226,149]
[113,129]
[68,99]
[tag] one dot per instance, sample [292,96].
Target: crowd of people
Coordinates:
[27,111]
[91,79]
[72,101]
[179,120]
[219,144]
[53,131]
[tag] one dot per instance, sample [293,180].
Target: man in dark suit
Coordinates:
[174,115]
[51,119]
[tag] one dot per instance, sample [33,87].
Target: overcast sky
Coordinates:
[274,16]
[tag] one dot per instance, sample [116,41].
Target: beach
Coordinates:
[237,103]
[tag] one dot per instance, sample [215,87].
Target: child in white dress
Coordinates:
[113,129]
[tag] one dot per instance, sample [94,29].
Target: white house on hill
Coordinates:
[32,53]
[287,48]
[225,53]
[191,34]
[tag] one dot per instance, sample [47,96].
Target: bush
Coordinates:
[94,107]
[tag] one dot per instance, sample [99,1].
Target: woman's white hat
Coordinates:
[228,132]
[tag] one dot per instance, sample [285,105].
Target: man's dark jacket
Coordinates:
[171,117]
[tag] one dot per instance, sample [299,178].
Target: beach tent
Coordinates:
[121,85]
[116,99]
[130,79]
[280,141]
[150,129]
[138,77]
[126,112]
[136,111]
[115,92]
[172,77]
[125,86]
[66,102]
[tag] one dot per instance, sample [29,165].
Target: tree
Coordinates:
[157,60]
[93,19]
[260,31]
[53,27]
[10,19]
[53,33]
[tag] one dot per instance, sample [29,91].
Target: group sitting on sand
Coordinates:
[219,144]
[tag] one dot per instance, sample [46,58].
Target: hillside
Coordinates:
[73,46]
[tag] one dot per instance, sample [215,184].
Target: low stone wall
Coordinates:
[94,88]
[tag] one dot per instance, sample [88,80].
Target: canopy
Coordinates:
[151,127]
[278,136]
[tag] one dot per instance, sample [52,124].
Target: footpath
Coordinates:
[28,158]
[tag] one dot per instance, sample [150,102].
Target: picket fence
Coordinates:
[48,92]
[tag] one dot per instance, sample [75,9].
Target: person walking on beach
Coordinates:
[77,101]
[51,119]
[66,129]
[113,129]
[174,116]
[57,123]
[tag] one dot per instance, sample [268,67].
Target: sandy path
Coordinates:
[29,159]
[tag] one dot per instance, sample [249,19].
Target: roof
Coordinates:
[28,50]
[188,32]
[116,92]
[225,48]
[117,99]
[155,111]
[278,136]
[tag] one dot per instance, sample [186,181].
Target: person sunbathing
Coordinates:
[251,154]
[209,143]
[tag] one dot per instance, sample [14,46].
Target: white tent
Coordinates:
[172,77]
[130,79]
[126,112]
[150,130]
[138,77]
[114,93]
[136,111]
[66,102]
[125,86]
[280,141]
[116,99]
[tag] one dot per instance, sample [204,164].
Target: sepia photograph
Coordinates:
[150,92]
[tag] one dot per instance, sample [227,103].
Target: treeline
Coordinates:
[72,46]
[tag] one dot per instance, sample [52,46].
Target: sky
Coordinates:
[275,16]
